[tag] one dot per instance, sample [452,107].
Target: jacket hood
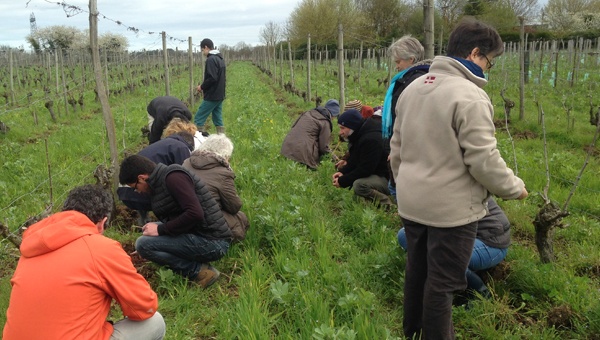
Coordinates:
[214,53]
[204,160]
[325,113]
[55,232]
[370,125]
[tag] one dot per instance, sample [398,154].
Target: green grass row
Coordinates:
[318,264]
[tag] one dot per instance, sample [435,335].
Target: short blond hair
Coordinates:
[178,125]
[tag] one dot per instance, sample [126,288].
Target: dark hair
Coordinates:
[133,166]
[471,33]
[207,43]
[93,201]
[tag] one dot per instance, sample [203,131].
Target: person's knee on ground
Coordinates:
[361,188]
[153,328]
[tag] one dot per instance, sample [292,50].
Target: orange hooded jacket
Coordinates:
[66,278]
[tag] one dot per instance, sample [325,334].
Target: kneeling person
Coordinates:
[69,274]
[365,168]
[192,232]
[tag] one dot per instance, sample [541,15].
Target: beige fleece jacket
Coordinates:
[443,150]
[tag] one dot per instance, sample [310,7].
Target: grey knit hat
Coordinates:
[333,106]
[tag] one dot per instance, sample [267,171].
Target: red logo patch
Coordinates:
[429,79]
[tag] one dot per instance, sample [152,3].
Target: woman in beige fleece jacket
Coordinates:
[445,162]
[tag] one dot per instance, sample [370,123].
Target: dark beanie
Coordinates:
[333,106]
[351,119]
[207,43]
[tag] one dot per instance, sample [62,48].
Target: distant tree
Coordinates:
[451,10]
[320,19]
[474,7]
[270,34]
[113,42]
[571,15]
[243,50]
[500,15]
[69,37]
[52,37]
[382,16]
[529,9]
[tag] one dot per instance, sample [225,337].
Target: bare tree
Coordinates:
[451,10]
[270,35]
[527,9]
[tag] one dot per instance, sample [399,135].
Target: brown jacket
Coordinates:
[214,171]
[308,139]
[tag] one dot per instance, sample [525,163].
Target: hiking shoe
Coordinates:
[207,275]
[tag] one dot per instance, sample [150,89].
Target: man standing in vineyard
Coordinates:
[213,88]
[445,161]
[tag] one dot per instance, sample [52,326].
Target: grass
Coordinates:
[316,263]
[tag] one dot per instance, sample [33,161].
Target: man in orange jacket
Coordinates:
[69,273]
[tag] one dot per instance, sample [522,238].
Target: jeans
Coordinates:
[483,257]
[150,329]
[207,106]
[392,190]
[437,259]
[184,254]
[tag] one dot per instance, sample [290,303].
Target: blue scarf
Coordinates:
[471,66]
[386,111]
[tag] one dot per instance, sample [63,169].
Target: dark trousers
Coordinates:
[437,259]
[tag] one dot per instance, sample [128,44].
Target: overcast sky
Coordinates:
[224,21]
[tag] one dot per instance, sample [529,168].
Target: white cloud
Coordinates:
[224,21]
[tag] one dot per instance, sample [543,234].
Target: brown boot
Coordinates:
[381,198]
[207,275]
[201,128]
[220,130]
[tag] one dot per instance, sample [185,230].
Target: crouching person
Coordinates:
[192,231]
[211,163]
[69,273]
[365,168]
[308,139]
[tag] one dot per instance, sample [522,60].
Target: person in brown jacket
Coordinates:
[308,139]
[210,163]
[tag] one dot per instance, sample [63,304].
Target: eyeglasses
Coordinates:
[490,63]
[136,184]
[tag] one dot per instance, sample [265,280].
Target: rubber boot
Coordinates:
[201,128]
[220,130]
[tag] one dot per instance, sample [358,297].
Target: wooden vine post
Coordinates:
[341,70]
[307,97]
[106,111]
